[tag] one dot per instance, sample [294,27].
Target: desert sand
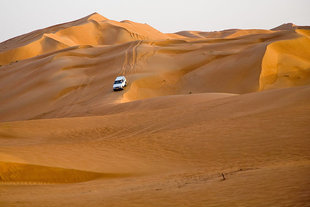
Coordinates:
[208,118]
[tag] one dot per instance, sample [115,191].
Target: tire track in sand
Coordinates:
[131,58]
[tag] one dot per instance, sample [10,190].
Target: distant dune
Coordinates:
[91,30]
[215,118]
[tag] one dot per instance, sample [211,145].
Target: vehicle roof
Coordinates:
[120,77]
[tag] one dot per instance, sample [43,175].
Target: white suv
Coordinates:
[119,83]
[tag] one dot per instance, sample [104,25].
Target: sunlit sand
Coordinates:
[207,119]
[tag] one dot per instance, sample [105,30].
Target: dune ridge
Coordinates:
[290,26]
[230,33]
[90,30]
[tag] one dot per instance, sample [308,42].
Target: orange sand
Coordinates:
[198,105]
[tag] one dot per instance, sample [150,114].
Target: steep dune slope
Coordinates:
[286,63]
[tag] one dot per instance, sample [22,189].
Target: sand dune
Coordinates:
[286,63]
[231,33]
[79,76]
[91,30]
[16,173]
[290,26]
[207,119]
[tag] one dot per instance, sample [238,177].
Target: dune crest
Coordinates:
[289,26]
[230,33]
[90,30]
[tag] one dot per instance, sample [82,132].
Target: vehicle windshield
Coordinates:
[118,81]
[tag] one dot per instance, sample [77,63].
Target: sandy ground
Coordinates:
[208,118]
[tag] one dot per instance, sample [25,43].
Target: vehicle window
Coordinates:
[118,81]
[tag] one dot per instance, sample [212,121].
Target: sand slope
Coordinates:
[62,83]
[169,159]
[286,63]
[207,119]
